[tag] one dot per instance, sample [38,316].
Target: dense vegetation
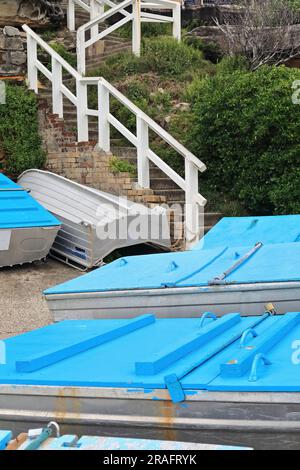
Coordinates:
[19,130]
[246,129]
[242,124]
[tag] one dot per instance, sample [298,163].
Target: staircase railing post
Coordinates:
[31,63]
[192,215]
[142,153]
[81,51]
[57,96]
[177,21]
[97,9]
[71,15]
[103,122]
[136,27]
[82,117]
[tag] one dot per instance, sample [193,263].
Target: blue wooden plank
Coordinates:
[66,442]
[241,362]
[173,353]
[51,357]
[5,437]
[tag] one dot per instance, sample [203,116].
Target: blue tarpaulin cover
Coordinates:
[213,354]
[19,210]
[241,231]
[228,243]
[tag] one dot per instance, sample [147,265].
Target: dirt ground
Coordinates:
[22,306]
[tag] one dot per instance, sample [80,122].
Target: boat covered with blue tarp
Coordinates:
[27,230]
[151,376]
[242,263]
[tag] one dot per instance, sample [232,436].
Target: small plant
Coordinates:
[117,165]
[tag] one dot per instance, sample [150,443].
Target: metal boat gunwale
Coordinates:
[179,290]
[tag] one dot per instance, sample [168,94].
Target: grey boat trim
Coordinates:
[247,299]
[265,420]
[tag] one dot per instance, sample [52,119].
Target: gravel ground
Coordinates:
[22,306]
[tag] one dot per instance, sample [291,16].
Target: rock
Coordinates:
[182,106]
[9,70]
[13,44]
[18,58]
[11,31]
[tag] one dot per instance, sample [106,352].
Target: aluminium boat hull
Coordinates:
[258,420]
[25,245]
[249,299]
[87,214]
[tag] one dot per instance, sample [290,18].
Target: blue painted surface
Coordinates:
[271,263]
[19,210]
[113,363]
[71,442]
[6,183]
[241,231]
[5,437]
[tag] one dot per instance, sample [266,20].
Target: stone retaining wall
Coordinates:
[12,52]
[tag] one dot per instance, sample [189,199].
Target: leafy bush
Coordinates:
[246,129]
[117,165]
[64,53]
[19,130]
[166,56]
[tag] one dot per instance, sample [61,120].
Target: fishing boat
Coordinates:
[233,380]
[93,223]
[241,265]
[27,230]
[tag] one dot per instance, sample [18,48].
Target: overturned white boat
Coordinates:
[27,230]
[240,265]
[94,223]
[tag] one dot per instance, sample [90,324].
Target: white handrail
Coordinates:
[137,16]
[190,184]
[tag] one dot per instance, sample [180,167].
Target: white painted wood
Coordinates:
[122,129]
[82,117]
[142,153]
[96,10]
[136,27]
[103,121]
[44,70]
[71,15]
[177,22]
[80,47]
[57,96]
[192,229]
[109,30]
[31,63]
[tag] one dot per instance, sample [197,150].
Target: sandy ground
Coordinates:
[22,306]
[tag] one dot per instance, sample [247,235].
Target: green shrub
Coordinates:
[246,129]
[167,56]
[117,165]
[19,130]
[64,53]
[163,56]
